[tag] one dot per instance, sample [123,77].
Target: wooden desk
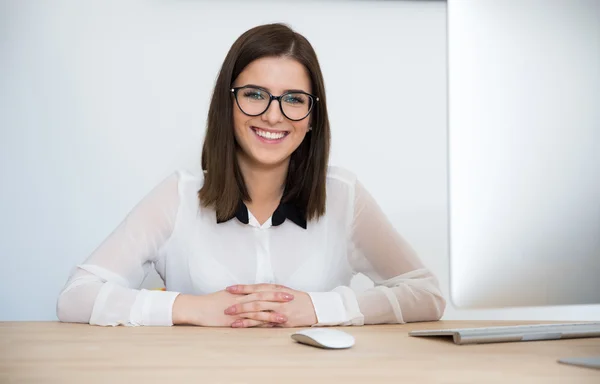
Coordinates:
[55,352]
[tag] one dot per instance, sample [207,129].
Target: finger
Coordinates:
[267,325]
[247,323]
[254,306]
[266,296]
[253,288]
[268,317]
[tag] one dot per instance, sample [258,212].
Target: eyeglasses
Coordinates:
[254,101]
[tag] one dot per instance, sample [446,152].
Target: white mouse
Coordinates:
[324,338]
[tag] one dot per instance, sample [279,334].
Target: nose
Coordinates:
[273,114]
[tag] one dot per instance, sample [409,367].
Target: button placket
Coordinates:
[264,269]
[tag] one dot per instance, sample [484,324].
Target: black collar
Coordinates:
[284,211]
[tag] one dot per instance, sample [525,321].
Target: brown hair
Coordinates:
[224,185]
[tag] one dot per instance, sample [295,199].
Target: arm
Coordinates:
[102,290]
[405,291]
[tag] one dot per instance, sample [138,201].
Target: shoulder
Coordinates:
[341,185]
[341,177]
[193,179]
[189,177]
[185,181]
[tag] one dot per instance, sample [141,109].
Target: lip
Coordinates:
[253,127]
[265,140]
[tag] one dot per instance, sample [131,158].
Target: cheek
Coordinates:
[239,122]
[301,126]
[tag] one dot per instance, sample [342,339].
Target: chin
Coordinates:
[270,160]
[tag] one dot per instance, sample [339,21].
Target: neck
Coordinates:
[264,183]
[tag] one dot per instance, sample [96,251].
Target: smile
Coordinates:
[269,136]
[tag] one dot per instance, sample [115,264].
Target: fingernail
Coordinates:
[230,311]
[236,324]
[231,289]
[281,319]
[287,296]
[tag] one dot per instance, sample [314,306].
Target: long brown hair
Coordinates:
[224,185]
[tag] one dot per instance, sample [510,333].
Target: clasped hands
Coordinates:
[243,306]
[270,305]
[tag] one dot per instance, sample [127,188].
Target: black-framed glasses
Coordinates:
[254,101]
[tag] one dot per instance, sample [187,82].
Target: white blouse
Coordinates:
[193,254]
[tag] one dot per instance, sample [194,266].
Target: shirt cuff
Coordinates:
[353,313]
[329,308]
[153,308]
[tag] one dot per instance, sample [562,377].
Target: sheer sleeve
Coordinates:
[404,291]
[103,290]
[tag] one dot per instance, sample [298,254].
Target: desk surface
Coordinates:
[55,352]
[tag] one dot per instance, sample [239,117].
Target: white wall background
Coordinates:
[99,101]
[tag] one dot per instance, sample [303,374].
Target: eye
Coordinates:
[295,98]
[254,94]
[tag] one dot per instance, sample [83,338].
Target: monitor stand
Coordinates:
[588,362]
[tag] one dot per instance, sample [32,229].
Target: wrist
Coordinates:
[181,309]
[312,313]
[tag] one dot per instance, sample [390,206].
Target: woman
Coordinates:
[268,235]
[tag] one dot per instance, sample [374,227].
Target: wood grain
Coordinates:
[62,353]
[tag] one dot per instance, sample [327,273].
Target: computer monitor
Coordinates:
[524,152]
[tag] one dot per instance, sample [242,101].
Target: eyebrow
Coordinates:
[268,90]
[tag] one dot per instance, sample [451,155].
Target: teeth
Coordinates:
[270,135]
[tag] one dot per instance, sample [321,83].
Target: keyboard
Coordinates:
[515,333]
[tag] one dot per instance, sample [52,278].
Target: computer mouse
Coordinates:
[324,338]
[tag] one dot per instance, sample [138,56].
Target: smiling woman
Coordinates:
[269,234]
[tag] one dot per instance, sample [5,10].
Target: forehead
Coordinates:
[276,74]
